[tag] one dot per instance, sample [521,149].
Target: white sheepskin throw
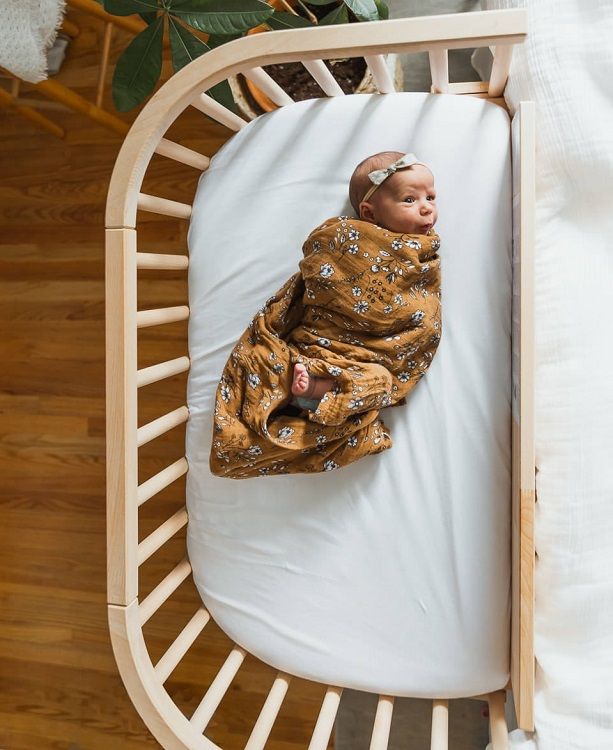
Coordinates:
[27,29]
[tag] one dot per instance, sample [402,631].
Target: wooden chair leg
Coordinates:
[7,100]
[439,739]
[499,732]
[58,92]
[104,63]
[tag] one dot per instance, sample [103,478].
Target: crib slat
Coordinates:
[161,480]
[161,535]
[498,722]
[271,88]
[383,723]
[468,87]
[380,73]
[163,590]
[159,426]
[176,152]
[156,205]
[121,453]
[325,720]
[500,69]
[270,709]
[439,739]
[160,316]
[155,373]
[208,106]
[180,646]
[439,70]
[161,262]
[218,688]
[328,83]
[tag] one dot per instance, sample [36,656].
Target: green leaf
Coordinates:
[363,10]
[148,17]
[384,11]
[216,40]
[281,20]
[319,2]
[139,67]
[338,15]
[128,7]
[222,16]
[184,46]
[222,93]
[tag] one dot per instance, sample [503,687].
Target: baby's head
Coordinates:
[404,201]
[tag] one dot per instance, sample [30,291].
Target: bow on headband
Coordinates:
[380,175]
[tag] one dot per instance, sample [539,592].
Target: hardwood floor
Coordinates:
[60,686]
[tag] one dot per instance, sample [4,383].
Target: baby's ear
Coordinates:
[366,211]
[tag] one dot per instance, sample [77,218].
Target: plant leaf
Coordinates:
[222,16]
[148,17]
[184,46]
[139,67]
[384,11]
[319,2]
[216,40]
[281,20]
[338,15]
[363,10]
[128,7]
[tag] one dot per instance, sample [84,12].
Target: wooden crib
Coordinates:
[128,612]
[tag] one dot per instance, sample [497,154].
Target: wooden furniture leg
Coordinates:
[60,93]
[6,100]
[498,723]
[439,739]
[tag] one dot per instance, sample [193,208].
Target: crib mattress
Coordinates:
[391,575]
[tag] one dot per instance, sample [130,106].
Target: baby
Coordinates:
[349,334]
[396,192]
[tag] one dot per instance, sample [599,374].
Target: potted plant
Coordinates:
[351,73]
[195,26]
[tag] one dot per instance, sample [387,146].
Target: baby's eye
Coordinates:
[432,197]
[410,199]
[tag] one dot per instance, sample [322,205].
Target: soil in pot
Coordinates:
[295,79]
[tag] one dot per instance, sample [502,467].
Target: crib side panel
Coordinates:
[523,458]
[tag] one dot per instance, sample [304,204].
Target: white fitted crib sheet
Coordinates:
[391,575]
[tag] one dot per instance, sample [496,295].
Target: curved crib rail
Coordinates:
[127,613]
[502,28]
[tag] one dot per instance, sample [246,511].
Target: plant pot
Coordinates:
[252,102]
[352,75]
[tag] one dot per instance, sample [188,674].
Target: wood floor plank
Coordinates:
[60,686]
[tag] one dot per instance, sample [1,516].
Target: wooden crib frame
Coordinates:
[127,614]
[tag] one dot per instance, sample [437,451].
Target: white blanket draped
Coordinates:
[27,29]
[566,67]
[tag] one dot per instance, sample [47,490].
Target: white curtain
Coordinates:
[566,67]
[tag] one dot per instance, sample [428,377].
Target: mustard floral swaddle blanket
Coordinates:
[365,311]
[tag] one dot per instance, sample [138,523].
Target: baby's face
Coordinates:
[405,202]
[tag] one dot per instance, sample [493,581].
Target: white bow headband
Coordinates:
[379,176]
